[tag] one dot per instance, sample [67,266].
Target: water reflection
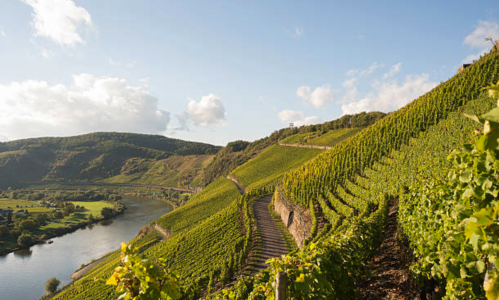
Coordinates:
[106,222]
[23,252]
[31,268]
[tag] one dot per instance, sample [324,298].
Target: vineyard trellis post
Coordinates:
[280,286]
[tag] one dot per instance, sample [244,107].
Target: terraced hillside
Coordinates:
[353,187]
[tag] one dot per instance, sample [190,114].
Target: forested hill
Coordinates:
[92,156]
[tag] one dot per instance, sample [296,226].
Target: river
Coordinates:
[23,274]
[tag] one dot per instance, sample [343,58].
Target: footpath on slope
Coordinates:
[273,244]
[232,178]
[306,146]
[390,270]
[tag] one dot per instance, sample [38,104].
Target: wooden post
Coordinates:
[280,286]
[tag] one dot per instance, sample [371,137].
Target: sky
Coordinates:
[219,71]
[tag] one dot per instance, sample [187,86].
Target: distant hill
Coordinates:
[88,157]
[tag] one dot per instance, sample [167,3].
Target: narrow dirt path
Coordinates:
[87,268]
[273,244]
[238,184]
[391,278]
[306,146]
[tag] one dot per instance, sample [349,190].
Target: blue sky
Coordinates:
[217,71]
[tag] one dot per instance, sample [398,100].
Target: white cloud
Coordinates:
[304,92]
[476,39]
[208,111]
[365,72]
[349,82]
[393,71]
[298,32]
[35,108]
[2,32]
[389,95]
[59,20]
[297,118]
[483,30]
[319,97]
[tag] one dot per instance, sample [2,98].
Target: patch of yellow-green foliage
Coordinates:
[330,138]
[299,138]
[201,206]
[31,206]
[271,164]
[334,137]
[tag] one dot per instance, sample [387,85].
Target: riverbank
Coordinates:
[51,233]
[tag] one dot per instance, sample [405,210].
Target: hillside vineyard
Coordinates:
[212,240]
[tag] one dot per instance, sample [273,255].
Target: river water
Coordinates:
[23,274]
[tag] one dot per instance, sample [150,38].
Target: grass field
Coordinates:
[271,164]
[31,206]
[93,208]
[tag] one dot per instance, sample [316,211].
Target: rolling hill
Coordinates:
[93,157]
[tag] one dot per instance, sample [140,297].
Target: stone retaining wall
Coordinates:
[297,219]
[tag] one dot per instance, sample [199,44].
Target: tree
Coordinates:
[107,212]
[4,231]
[91,218]
[51,285]
[27,225]
[25,240]
[40,219]
[58,215]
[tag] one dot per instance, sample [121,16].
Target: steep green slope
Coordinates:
[361,151]
[239,152]
[349,177]
[320,138]
[88,157]
[201,206]
[268,167]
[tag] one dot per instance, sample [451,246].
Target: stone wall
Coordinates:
[296,218]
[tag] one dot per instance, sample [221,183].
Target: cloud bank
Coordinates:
[35,108]
[59,20]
